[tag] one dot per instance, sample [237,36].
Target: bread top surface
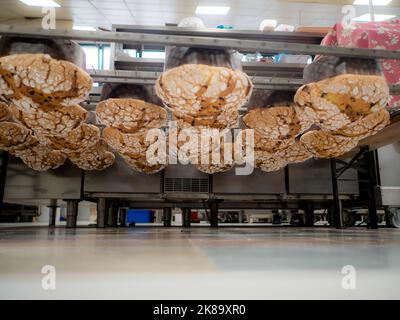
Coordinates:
[43,79]
[130,115]
[274,123]
[76,140]
[41,157]
[54,121]
[14,136]
[5,113]
[336,102]
[97,157]
[323,144]
[194,86]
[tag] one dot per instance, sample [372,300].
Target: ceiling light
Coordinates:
[83,28]
[374,2]
[212,10]
[378,17]
[41,3]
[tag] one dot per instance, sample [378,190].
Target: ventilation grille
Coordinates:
[185,185]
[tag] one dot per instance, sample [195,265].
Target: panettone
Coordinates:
[323,144]
[41,157]
[130,115]
[51,121]
[45,81]
[97,157]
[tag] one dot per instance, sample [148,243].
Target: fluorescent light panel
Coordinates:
[378,17]
[41,3]
[374,2]
[212,10]
[83,28]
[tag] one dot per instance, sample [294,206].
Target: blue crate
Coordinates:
[139,216]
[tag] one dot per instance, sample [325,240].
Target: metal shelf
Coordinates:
[148,77]
[124,62]
[197,41]
[296,37]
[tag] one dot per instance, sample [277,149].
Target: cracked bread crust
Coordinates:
[41,157]
[75,141]
[276,123]
[274,161]
[127,142]
[98,157]
[14,136]
[193,88]
[54,121]
[323,144]
[190,142]
[226,117]
[224,164]
[5,113]
[367,126]
[130,115]
[45,80]
[139,163]
[339,101]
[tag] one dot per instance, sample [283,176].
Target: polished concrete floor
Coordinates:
[200,263]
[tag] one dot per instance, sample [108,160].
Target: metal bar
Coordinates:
[3,177]
[52,212]
[186,215]
[149,77]
[337,217]
[371,10]
[113,214]
[167,215]
[371,168]
[195,41]
[309,214]
[72,213]
[349,164]
[101,212]
[122,217]
[298,37]
[213,213]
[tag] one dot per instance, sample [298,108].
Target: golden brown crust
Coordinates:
[366,126]
[342,100]
[193,88]
[56,121]
[4,112]
[274,161]
[75,141]
[127,142]
[138,162]
[226,117]
[14,136]
[276,123]
[97,157]
[214,163]
[41,157]
[45,80]
[323,144]
[130,115]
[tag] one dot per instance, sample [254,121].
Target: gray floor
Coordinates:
[228,263]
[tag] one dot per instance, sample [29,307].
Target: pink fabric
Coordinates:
[373,35]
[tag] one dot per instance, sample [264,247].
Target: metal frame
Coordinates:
[364,160]
[139,37]
[142,38]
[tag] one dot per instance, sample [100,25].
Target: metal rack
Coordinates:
[154,192]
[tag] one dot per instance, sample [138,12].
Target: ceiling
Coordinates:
[244,14]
